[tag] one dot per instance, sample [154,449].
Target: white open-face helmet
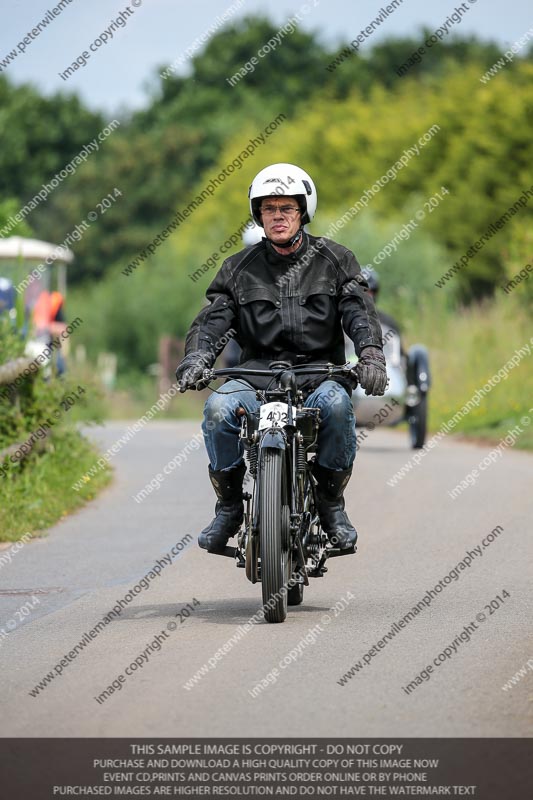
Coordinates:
[283,180]
[252,234]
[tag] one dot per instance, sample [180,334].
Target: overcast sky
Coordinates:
[159,31]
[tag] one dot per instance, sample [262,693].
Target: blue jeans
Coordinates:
[336,434]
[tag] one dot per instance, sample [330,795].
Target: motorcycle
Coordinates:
[406,396]
[281,544]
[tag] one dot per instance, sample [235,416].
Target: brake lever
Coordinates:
[207,376]
[353,376]
[204,381]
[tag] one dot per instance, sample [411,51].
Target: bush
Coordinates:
[35,489]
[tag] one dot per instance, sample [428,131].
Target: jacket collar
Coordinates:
[274,257]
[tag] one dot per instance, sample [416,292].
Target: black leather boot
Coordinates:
[229,511]
[330,506]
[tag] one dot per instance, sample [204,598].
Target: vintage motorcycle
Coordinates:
[406,396]
[281,544]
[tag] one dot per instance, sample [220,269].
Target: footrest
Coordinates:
[336,551]
[230,552]
[318,572]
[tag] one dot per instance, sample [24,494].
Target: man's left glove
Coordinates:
[371,371]
[190,370]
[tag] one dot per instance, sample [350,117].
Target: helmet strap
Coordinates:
[290,242]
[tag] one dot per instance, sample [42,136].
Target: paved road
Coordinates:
[411,536]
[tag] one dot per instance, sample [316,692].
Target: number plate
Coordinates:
[274,415]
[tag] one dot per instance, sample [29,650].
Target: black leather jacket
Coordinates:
[290,308]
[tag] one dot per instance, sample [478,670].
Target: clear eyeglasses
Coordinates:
[286,211]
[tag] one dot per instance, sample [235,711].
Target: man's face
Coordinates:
[280,217]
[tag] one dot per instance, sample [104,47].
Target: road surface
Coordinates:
[277,680]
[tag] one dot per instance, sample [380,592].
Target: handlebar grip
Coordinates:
[352,376]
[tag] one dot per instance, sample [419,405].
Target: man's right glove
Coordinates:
[371,371]
[190,370]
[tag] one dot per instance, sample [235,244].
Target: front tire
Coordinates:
[274,545]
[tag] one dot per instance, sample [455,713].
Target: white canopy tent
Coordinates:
[17,248]
[33,250]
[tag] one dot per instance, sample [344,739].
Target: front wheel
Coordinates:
[273,536]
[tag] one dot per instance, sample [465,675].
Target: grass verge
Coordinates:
[466,349]
[38,495]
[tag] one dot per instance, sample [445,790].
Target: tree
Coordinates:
[39,136]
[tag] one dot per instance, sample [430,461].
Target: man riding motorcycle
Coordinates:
[288,298]
[372,278]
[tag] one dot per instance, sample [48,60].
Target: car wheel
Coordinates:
[417,419]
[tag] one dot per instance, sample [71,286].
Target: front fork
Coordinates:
[247,552]
[248,542]
[298,517]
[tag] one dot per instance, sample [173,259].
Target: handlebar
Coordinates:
[277,368]
[310,369]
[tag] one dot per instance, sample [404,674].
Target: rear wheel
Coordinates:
[273,538]
[295,595]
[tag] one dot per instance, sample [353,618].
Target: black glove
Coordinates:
[190,370]
[371,371]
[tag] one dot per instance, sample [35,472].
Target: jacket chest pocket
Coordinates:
[259,314]
[258,294]
[319,313]
[319,292]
